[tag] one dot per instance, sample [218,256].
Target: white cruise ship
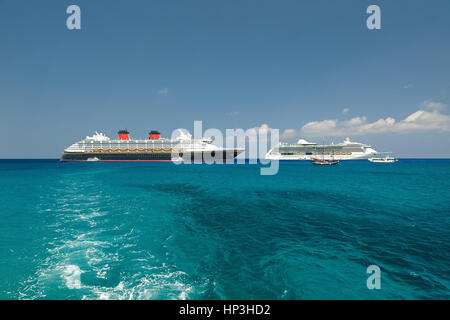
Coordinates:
[304,150]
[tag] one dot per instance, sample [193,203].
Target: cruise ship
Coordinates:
[99,147]
[304,150]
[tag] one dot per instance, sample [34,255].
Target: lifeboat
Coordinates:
[132,149]
[96,150]
[141,150]
[123,150]
[167,149]
[150,149]
[157,149]
[106,150]
[114,150]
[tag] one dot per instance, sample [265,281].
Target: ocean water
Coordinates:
[165,231]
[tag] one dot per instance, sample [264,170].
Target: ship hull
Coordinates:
[309,158]
[225,155]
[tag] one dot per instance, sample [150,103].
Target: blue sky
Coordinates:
[146,65]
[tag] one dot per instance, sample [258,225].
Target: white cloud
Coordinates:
[262,134]
[264,127]
[407,86]
[163,91]
[345,110]
[232,113]
[289,134]
[421,120]
[433,105]
[286,134]
[429,118]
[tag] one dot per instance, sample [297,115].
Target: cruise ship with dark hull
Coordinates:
[182,149]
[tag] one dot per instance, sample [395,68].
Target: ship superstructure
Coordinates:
[304,150]
[99,147]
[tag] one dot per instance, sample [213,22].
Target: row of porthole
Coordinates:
[317,153]
[136,150]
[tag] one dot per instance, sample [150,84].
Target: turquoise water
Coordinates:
[162,231]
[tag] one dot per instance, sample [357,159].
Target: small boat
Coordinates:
[323,161]
[93,159]
[386,159]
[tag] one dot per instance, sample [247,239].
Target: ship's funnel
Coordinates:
[154,135]
[124,135]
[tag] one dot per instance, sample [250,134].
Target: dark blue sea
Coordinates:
[223,231]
